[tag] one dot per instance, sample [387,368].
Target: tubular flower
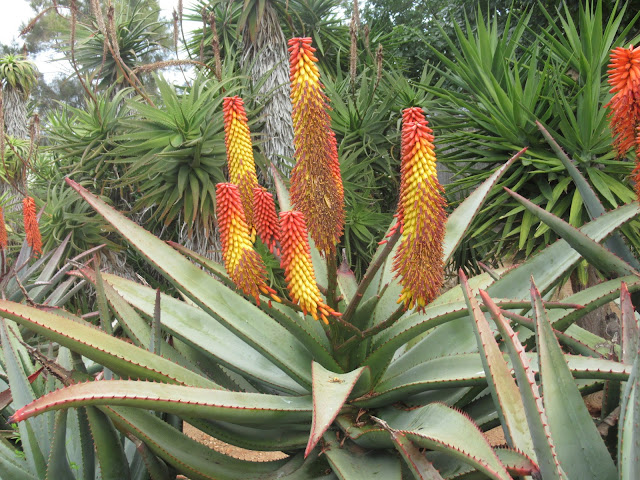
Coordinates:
[316,183]
[32,231]
[4,239]
[418,260]
[266,218]
[298,268]
[624,115]
[242,168]
[244,265]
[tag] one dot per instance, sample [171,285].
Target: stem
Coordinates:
[332,280]
[373,330]
[369,275]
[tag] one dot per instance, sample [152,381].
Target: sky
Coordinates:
[20,13]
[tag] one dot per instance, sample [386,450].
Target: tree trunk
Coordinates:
[267,55]
[15,122]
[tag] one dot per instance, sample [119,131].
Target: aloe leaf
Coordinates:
[330,391]
[58,465]
[244,319]
[5,395]
[503,388]
[554,261]
[570,423]
[350,462]
[108,447]
[517,462]
[113,353]
[591,201]
[601,258]
[365,434]
[176,399]
[154,468]
[11,465]
[32,433]
[439,427]
[420,467]
[346,282]
[189,457]
[536,418]
[630,326]
[196,328]
[212,267]
[629,426]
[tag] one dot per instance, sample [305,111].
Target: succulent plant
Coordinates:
[370,387]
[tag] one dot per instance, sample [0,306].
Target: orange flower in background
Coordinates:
[624,115]
[298,268]
[244,265]
[316,183]
[4,238]
[421,215]
[266,219]
[32,231]
[242,168]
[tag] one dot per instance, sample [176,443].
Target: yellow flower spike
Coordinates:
[31,229]
[244,265]
[242,168]
[316,182]
[298,268]
[421,215]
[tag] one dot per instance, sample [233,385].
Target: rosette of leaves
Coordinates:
[17,153]
[501,77]
[400,395]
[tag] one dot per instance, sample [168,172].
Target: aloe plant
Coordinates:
[370,388]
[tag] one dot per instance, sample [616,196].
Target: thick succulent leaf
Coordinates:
[536,418]
[630,326]
[33,434]
[420,467]
[5,395]
[330,391]
[517,462]
[503,388]
[108,446]
[244,319]
[58,465]
[629,426]
[581,450]
[212,267]
[439,427]
[364,432]
[601,258]
[187,456]
[347,283]
[350,462]
[557,259]
[195,327]
[115,354]
[591,201]
[237,407]
[13,466]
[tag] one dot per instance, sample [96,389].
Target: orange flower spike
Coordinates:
[624,115]
[316,182]
[32,231]
[243,264]
[242,168]
[418,260]
[4,238]
[298,267]
[266,218]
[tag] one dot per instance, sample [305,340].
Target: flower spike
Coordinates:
[242,168]
[266,219]
[624,115]
[298,268]
[32,231]
[244,265]
[4,238]
[421,215]
[316,182]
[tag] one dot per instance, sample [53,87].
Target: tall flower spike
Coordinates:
[4,239]
[421,214]
[266,218]
[242,168]
[32,231]
[624,114]
[244,265]
[316,183]
[298,268]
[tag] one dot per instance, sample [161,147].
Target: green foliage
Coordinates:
[18,73]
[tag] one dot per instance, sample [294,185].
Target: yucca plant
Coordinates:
[370,387]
